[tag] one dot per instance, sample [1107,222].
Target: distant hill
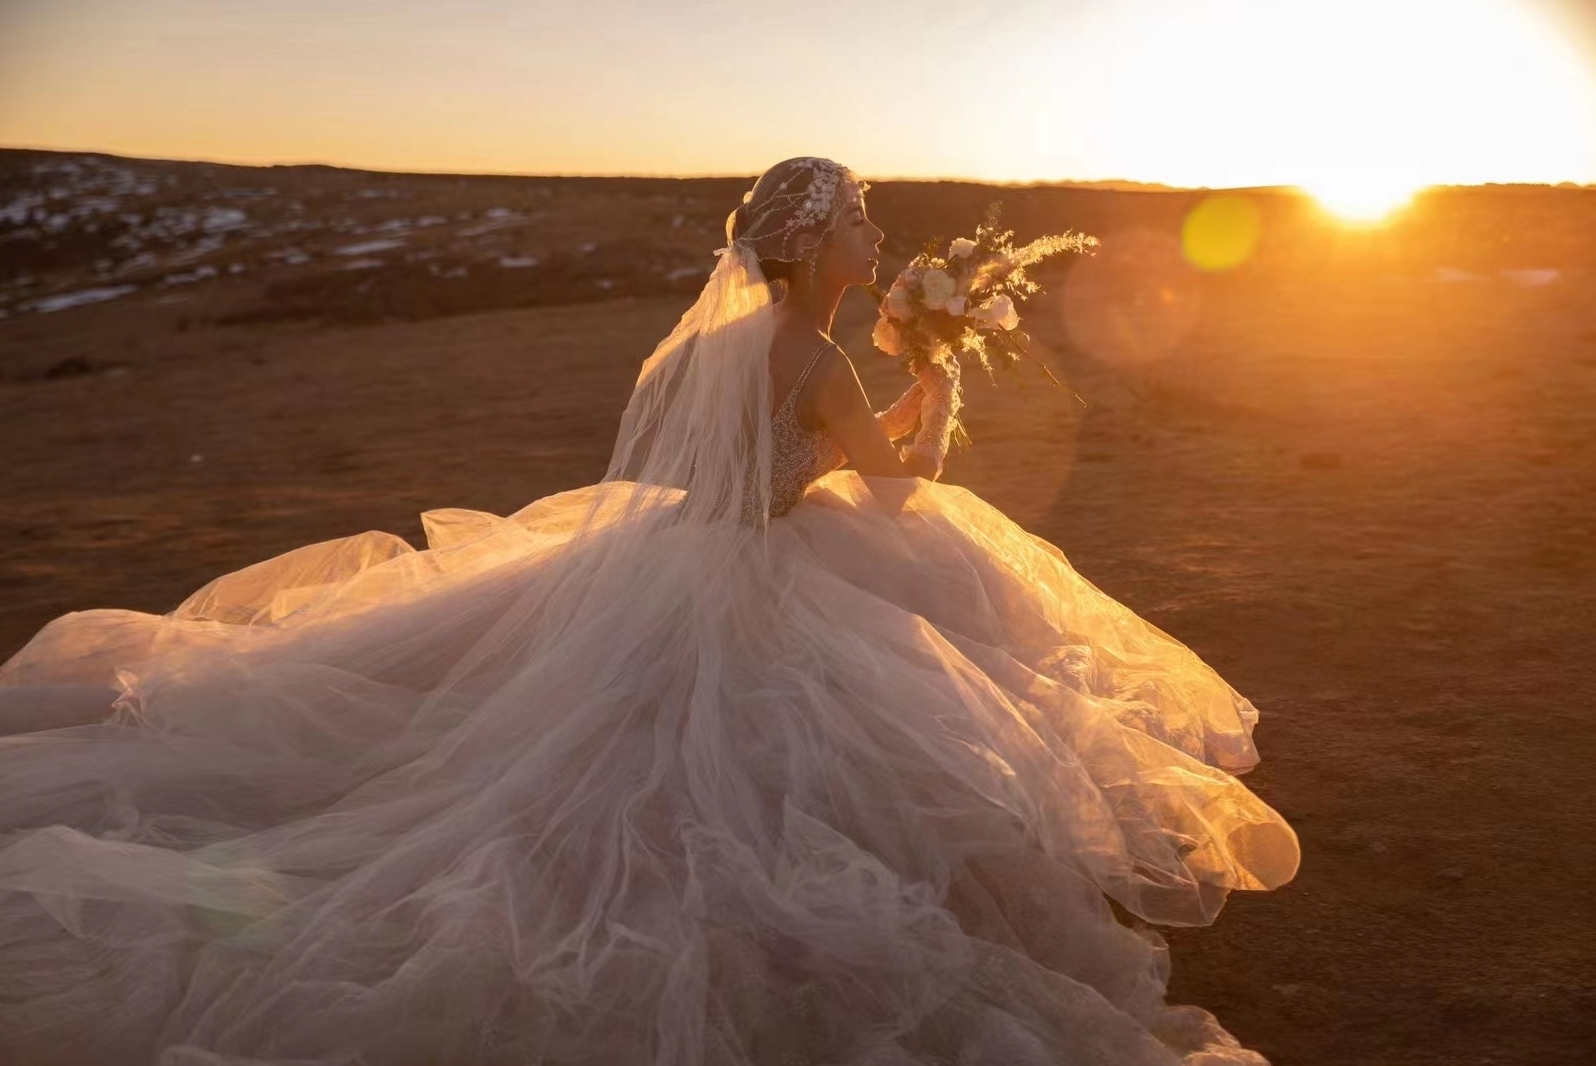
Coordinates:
[243,243]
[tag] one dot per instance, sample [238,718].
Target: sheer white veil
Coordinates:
[694,422]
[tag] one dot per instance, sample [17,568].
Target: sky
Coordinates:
[1218,93]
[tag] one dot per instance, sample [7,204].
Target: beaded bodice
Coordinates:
[797,455]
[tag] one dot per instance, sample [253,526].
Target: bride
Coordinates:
[735,757]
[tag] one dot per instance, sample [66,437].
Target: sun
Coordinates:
[1362,196]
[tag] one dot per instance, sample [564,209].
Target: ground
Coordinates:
[1365,496]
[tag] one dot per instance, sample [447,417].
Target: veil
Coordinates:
[695,421]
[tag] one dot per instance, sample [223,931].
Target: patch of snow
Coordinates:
[199,250]
[362,264]
[377,194]
[431,220]
[197,274]
[222,219]
[365,247]
[676,223]
[502,222]
[498,212]
[515,261]
[19,210]
[683,272]
[587,246]
[138,262]
[236,268]
[295,258]
[81,297]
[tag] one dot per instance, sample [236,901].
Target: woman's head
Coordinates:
[805,220]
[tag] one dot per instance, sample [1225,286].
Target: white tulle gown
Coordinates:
[847,789]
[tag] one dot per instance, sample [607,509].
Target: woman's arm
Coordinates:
[844,410]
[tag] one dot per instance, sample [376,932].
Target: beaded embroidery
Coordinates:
[798,456]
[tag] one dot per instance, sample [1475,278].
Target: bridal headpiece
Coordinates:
[795,197]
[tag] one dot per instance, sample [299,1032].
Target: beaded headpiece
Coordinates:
[792,198]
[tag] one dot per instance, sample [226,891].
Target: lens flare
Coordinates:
[1221,232]
[1134,302]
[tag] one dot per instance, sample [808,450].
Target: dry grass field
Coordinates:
[1356,473]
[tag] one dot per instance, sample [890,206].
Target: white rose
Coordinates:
[998,311]
[886,337]
[961,248]
[937,287]
[898,305]
[956,306]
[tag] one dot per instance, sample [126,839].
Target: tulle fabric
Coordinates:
[847,790]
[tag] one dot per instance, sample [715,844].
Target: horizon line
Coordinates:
[1151,186]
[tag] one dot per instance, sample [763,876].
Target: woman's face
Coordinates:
[852,248]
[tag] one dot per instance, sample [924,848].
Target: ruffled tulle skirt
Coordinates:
[853,792]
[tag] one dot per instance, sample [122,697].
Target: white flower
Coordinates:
[998,311]
[937,287]
[955,306]
[962,247]
[886,337]
[898,305]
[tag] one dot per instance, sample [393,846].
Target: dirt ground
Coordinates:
[1367,499]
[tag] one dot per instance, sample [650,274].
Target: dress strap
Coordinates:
[799,384]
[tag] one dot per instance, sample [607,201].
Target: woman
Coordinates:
[734,757]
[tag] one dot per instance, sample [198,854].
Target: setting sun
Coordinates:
[1361,197]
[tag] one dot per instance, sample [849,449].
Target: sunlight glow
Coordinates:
[1223,94]
[1365,195]
[1361,101]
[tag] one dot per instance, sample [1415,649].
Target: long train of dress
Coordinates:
[851,793]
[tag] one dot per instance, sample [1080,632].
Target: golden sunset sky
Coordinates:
[1189,92]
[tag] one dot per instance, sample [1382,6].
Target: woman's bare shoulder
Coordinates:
[834,365]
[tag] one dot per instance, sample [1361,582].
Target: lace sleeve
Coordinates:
[899,419]
[939,412]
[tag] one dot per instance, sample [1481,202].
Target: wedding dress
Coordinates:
[733,757]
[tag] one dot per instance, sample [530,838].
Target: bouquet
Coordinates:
[964,303]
